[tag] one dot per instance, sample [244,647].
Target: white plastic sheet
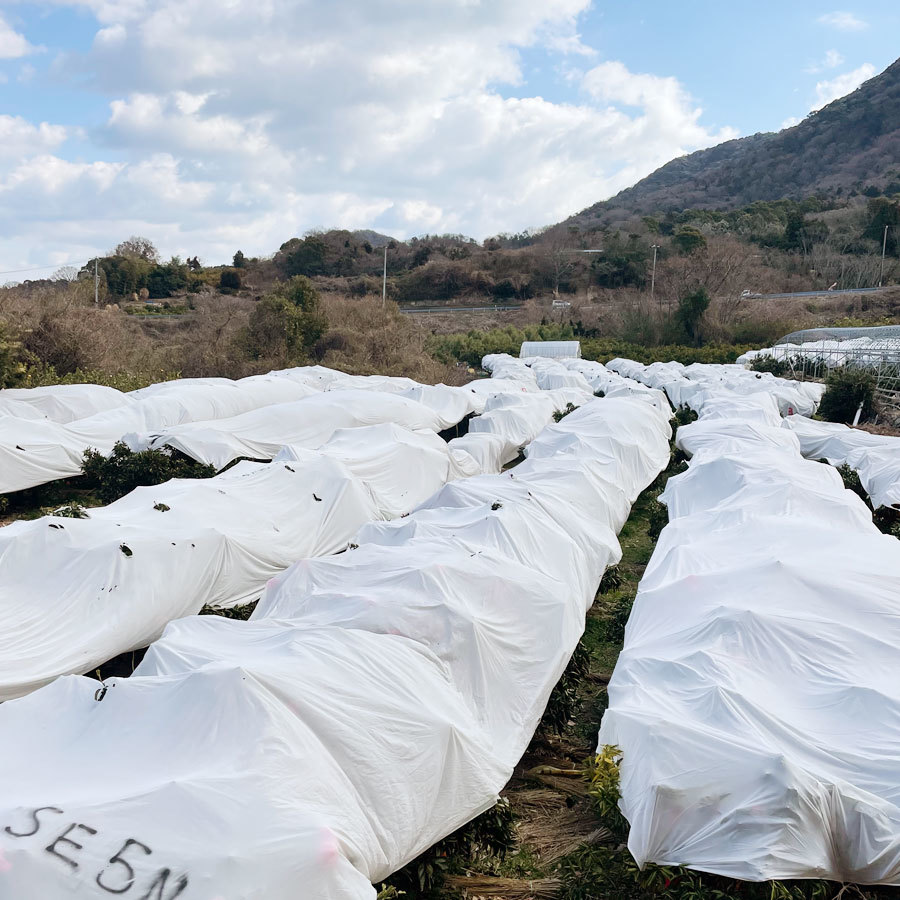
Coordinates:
[33,452]
[726,435]
[377,701]
[261,433]
[61,403]
[77,592]
[875,457]
[691,385]
[755,700]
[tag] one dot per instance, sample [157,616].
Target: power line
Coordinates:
[77,262]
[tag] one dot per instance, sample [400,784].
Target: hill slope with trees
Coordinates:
[852,145]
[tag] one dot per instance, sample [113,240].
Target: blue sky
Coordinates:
[210,126]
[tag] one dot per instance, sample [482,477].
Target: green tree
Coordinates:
[165,280]
[623,263]
[287,322]
[229,280]
[123,275]
[137,248]
[239,261]
[882,212]
[690,314]
[688,240]
[303,257]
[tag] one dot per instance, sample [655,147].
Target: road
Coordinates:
[435,309]
[874,290]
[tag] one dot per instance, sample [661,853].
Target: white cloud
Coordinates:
[842,21]
[826,91]
[12,44]
[790,122]
[831,60]
[20,139]
[242,124]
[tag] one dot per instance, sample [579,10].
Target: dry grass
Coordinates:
[364,339]
[550,827]
[60,325]
[477,886]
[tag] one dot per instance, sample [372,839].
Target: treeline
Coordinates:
[796,225]
[134,269]
[819,238]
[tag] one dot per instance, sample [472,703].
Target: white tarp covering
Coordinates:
[755,700]
[489,451]
[521,397]
[45,431]
[610,384]
[376,701]
[60,403]
[692,385]
[731,434]
[875,457]
[33,452]
[261,433]
[77,592]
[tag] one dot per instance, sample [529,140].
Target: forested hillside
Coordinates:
[851,146]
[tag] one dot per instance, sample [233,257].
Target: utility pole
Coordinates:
[96,284]
[655,247]
[883,248]
[384,280]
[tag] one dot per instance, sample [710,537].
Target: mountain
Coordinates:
[849,145]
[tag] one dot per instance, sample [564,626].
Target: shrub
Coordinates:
[684,415]
[471,347]
[615,613]
[120,473]
[72,510]
[611,580]
[490,835]
[560,414]
[779,367]
[846,388]
[657,519]
[122,381]
[229,280]
[287,323]
[604,789]
[564,696]
[886,519]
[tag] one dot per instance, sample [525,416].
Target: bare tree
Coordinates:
[137,248]
[65,273]
[561,258]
